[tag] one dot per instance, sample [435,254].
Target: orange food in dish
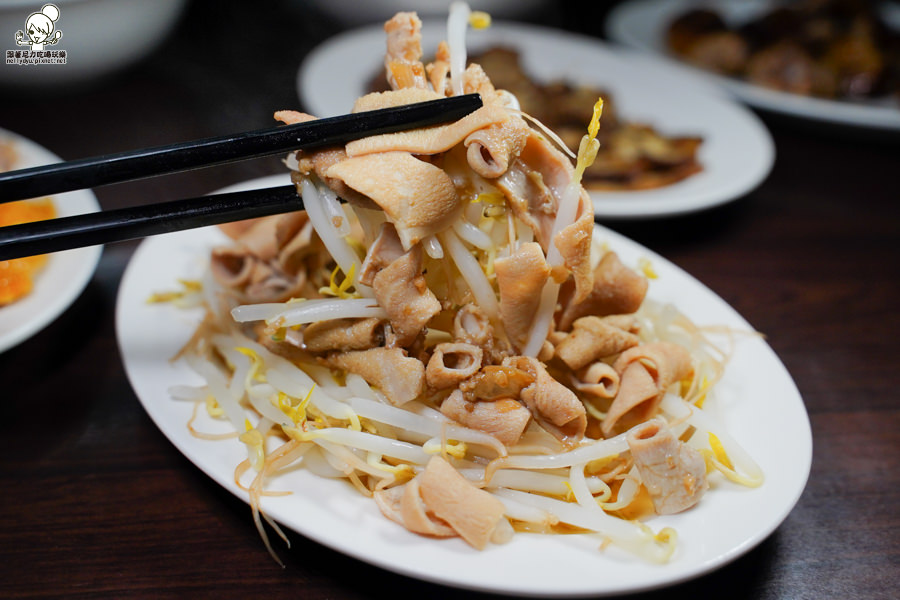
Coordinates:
[17,275]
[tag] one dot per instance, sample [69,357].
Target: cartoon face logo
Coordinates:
[39,29]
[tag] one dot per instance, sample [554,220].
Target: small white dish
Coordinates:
[641,24]
[737,152]
[761,408]
[65,275]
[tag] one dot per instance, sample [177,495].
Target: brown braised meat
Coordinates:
[701,37]
[631,156]
[839,49]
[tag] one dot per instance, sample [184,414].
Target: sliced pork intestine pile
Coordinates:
[437,343]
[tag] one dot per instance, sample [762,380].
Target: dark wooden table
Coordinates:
[97,503]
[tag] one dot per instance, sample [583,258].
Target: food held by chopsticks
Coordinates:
[28,239]
[443,329]
[632,155]
[835,49]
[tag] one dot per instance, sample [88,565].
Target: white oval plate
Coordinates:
[761,405]
[65,275]
[737,151]
[641,24]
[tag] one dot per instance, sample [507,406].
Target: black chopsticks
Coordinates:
[66,233]
[92,229]
[114,168]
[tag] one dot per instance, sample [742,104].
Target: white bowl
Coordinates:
[98,37]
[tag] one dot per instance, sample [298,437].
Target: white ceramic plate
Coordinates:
[737,151]
[761,405]
[65,275]
[642,24]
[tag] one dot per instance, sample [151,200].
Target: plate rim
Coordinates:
[84,260]
[151,406]
[721,183]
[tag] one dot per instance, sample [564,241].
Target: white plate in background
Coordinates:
[642,24]
[737,152]
[65,275]
[760,403]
